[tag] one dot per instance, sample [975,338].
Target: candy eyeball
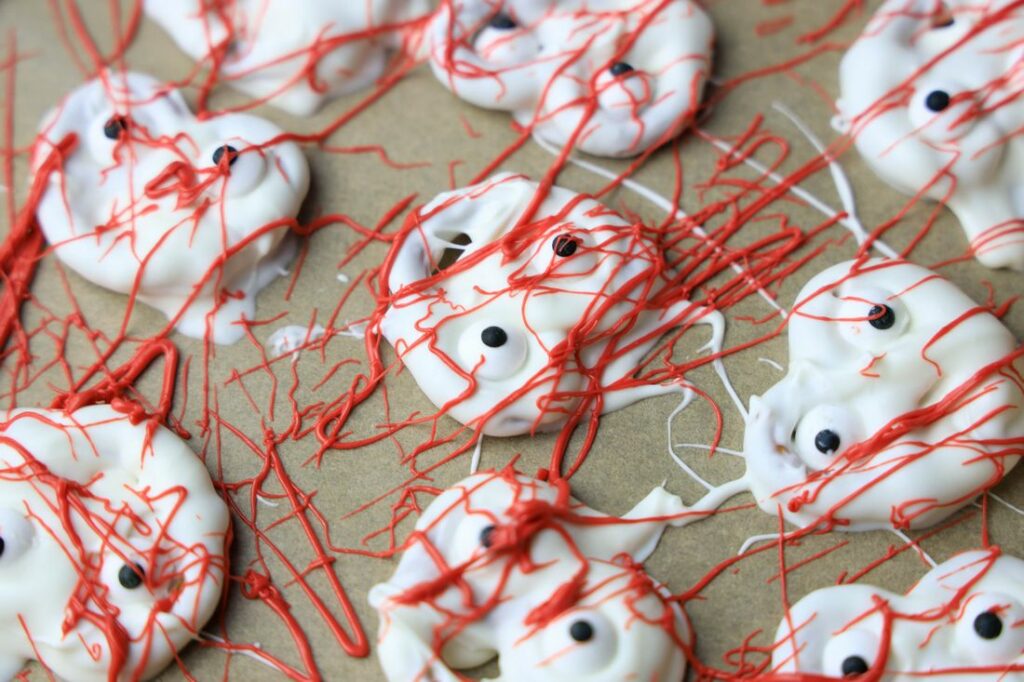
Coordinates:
[473,536]
[565,254]
[942,112]
[871,318]
[990,629]
[850,654]
[503,43]
[580,642]
[16,535]
[243,165]
[623,90]
[493,350]
[824,433]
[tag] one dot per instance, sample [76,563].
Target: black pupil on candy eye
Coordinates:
[487,536]
[130,576]
[937,100]
[502,22]
[826,441]
[620,68]
[581,631]
[854,665]
[113,128]
[494,337]
[881,317]
[564,245]
[219,152]
[2,545]
[988,625]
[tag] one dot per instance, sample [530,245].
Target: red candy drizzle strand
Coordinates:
[741,244]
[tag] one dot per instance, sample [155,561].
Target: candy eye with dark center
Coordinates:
[219,153]
[988,625]
[881,317]
[581,631]
[854,666]
[564,245]
[621,69]
[115,127]
[827,441]
[502,22]
[131,576]
[937,100]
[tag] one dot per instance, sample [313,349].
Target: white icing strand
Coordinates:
[1006,503]
[292,338]
[795,189]
[843,188]
[910,542]
[756,539]
[664,204]
[474,464]
[702,446]
[771,363]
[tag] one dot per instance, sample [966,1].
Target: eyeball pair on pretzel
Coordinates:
[930,94]
[963,621]
[294,53]
[613,77]
[190,216]
[507,565]
[531,320]
[903,402]
[112,545]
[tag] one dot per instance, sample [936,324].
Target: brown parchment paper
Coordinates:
[419,121]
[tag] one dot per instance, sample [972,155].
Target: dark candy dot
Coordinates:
[881,317]
[937,100]
[219,152]
[988,625]
[130,576]
[2,545]
[487,536]
[854,665]
[494,337]
[620,68]
[502,22]
[826,441]
[114,127]
[564,245]
[581,631]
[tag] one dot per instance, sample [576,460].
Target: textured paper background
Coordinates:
[419,121]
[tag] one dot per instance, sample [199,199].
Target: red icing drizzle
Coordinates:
[745,227]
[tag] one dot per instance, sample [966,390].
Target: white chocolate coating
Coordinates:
[558,313]
[554,64]
[151,213]
[541,541]
[82,496]
[295,53]
[856,381]
[931,633]
[933,107]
